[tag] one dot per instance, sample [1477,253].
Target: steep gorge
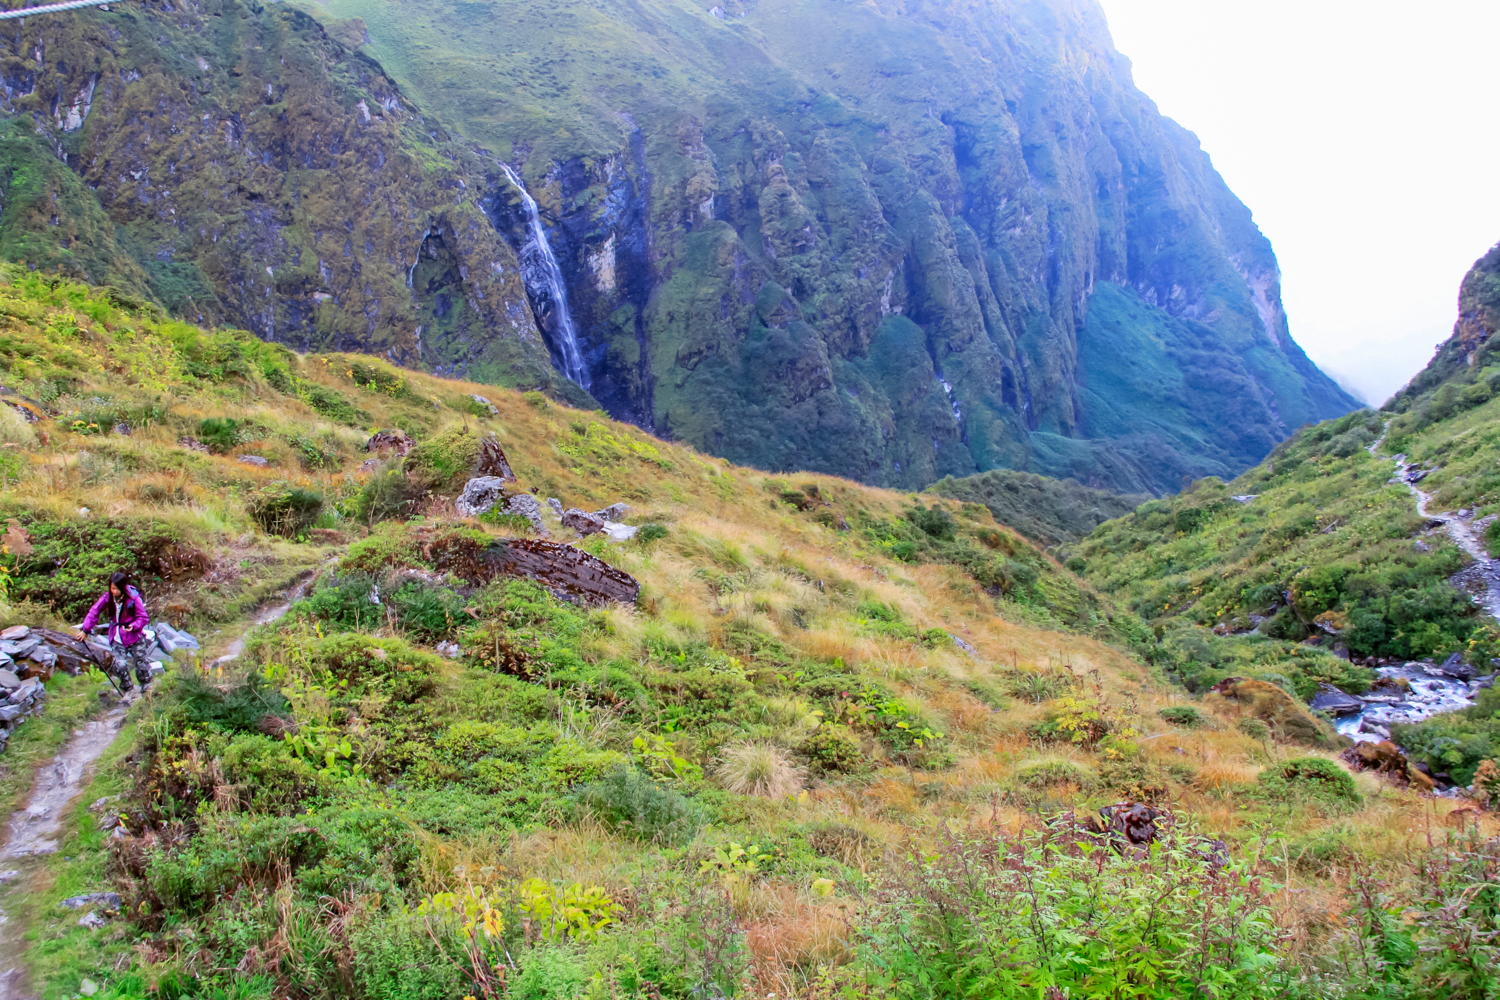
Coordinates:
[893,241]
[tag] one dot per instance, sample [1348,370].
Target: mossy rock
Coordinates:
[1315,778]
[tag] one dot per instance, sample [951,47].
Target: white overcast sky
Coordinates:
[1362,135]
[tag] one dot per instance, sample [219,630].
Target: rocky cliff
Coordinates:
[894,241]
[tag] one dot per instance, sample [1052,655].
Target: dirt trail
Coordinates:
[33,830]
[269,614]
[1482,579]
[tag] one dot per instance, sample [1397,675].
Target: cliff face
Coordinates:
[242,167]
[1469,350]
[894,241]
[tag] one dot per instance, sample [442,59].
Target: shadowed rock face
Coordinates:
[894,241]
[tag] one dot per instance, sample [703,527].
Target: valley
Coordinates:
[677,501]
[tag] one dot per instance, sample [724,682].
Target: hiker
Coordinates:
[123,609]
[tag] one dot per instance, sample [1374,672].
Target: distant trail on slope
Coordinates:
[1462,533]
[1459,529]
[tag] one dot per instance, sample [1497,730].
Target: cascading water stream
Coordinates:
[544,280]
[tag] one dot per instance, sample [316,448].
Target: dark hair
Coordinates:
[120,581]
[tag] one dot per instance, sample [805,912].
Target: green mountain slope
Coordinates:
[1050,511]
[1320,545]
[891,242]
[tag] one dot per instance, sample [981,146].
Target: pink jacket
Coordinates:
[126,619]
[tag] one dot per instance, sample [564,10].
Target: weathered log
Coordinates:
[568,572]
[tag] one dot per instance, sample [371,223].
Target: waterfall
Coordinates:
[544,282]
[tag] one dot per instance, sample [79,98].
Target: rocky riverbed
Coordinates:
[1409,692]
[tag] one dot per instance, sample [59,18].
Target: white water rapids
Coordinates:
[544,280]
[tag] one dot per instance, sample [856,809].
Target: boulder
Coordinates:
[485,404]
[1386,759]
[492,460]
[613,512]
[391,442]
[75,651]
[526,506]
[104,900]
[20,648]
[15,632]
[10,713]
[570,573]
[1454,667]
[556,505]
[619,532]
[479,496]
[43,655]
[192,445]
[1335,702]
[256,460]
[583,522]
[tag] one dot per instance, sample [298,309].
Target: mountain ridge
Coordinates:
[794,261]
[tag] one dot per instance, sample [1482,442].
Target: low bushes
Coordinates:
[632,804]
[1033,917]
[285,510]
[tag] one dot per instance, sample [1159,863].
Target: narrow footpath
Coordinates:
[33,829]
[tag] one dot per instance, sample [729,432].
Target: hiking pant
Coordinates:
[131,656]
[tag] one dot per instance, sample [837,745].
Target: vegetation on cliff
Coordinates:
[883,242]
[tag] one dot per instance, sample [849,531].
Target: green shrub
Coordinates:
[630,803]
[220,434]
[549,973]
[269,773]
[389,545]
[1050,772]
[239,709]
[1311,777]
[651,532]
[72,560]
[388,495]
[396,958]
[1256,729]
[281,509]
[342,603]
[426,612]
[832,748]
[445,461]
[1182,715]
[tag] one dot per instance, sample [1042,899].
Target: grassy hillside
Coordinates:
[1327,549]
[1047,510]
[779,772]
